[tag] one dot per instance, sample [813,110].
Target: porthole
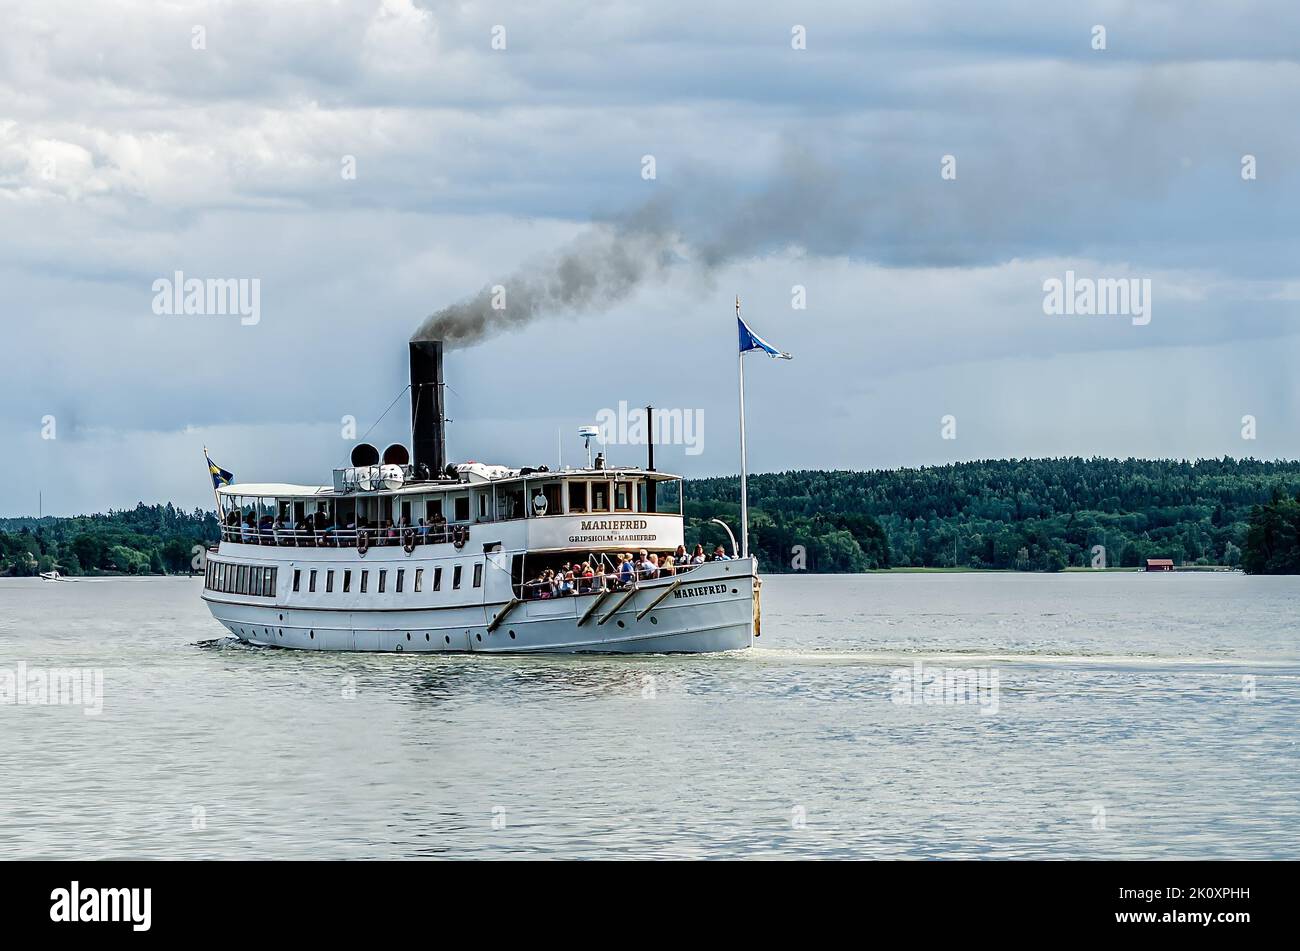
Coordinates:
[282,632]
[281,617]
[479,636]
[408,635]
[512,635]
[447,638]
[654,620]
[734,591]
[621,624]
[313,635]
[426,635]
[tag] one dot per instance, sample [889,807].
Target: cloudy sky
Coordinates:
[370,163]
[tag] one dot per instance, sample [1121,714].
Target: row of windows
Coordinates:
[381,585]
[260,581]
[241,579]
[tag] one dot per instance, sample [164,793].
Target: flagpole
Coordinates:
[744,463]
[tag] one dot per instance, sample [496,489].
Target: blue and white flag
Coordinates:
[219,475]
[752,341]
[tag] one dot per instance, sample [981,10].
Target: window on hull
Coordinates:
[254,580]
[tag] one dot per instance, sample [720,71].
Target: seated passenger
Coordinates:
[667,569]
[680,557]
[698,557]
[720,554]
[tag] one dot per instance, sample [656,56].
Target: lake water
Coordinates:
[1134,716]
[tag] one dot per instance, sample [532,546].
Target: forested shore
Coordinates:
[1016,515]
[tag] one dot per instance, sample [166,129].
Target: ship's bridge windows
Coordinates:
[432,507]
[623,496]
[600,496]
[577,496]
[482,506]
[553,493]
[511,502]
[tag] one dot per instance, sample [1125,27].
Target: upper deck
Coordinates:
[588,509]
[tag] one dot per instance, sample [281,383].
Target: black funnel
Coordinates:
[428,437]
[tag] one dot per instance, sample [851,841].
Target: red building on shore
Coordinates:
[1160,564]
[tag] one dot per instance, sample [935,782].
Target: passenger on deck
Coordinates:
[680,557]
[720,554]
[626,570]
[422,532]
[588,577]
[698,557]
[390,533]
[248,533]
[668,568]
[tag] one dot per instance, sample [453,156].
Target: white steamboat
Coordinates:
[405,553]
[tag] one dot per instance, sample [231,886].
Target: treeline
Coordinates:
[1272,545]
[1028,515]
[149,539]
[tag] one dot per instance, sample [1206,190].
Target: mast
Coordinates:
[744,465]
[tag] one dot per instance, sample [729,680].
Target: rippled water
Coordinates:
[1126,725]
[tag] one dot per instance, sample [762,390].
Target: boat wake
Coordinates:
[983,656]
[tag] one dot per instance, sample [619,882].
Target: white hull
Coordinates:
[710,609]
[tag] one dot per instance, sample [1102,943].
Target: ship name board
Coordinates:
[598,530]
[694,591]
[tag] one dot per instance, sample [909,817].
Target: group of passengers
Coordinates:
[319,531]
[574,578]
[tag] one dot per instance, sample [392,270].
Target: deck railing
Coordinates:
[602,581]
[338,537]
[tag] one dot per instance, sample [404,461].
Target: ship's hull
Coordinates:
[711,608]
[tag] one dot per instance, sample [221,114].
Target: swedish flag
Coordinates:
[220,476]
